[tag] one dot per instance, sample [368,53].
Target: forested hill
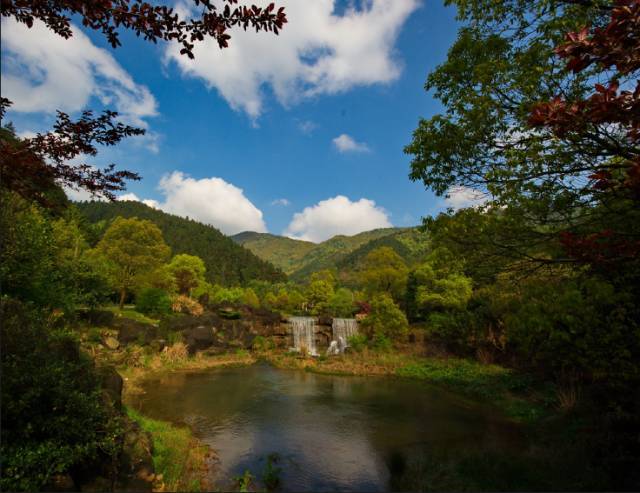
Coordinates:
[301,258]
[227,262]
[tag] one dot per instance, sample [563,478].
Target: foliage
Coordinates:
[53,415]
[250,298]
[261,343]
[176,454]
[244,481]
[342,303]
[132,248]
[384,271]
[271,473]
[188,271]
[357,342]
[318,294]
[152,22]
[153,301]
[226,263]
[386,320]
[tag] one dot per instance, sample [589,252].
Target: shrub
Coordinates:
[153,301]
[386,319]
[175,353]
[261,343]
[357,342]
[53,415]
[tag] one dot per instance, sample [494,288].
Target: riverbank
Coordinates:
[512,393]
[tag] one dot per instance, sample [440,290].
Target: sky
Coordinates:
[300,134]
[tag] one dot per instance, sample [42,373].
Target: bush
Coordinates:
[53,415]
[261,343]
[386,319]
[153,301]
[184,304]
[357,342]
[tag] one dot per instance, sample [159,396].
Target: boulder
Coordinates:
[97,318]
[198,338]
[111,383]
[132,331]
[136,471]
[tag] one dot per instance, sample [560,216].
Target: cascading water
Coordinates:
[342,329]
[304,336]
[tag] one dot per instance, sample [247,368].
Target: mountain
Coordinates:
[301,258]
[227,262]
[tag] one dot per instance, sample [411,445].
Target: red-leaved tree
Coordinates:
[615,103]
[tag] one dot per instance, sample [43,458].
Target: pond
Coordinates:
[330,433]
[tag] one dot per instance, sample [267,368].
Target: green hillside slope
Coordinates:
[299,259]
[227,262]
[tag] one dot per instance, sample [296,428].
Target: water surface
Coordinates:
[331,433]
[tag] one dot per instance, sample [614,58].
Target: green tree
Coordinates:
[132,248]
[188,272]
[385,320]
[318,294]
[250,298]
[342,303]
[384,271]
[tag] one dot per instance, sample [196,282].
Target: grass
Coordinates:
[179,457]
[129,312]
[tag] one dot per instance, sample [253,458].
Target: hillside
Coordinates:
[227,262]
[301,258]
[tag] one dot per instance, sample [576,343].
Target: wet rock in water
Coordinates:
[131,331]
[111,343]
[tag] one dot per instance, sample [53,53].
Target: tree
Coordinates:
[31,166]
[384,271]
[318,294]
[342,303]
[132,247]
[250,298]
[385,319]
[188,272]
[540,164]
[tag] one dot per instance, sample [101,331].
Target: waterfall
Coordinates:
[342,329]
[304,335]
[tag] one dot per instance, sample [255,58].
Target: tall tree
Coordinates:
[188,271]
[384,271]
[133,248]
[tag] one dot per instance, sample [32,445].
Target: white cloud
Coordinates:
[345,143]
[43,72]
[307,127]
[337,215]
[82,195]
[319,51]
[282,202]
[211,201]
[461,197]
[128,197]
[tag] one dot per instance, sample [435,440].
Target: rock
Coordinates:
[136,471]
[97,318]
[112,343]
[132,331]
[158,345]
[198,338]
[111,383]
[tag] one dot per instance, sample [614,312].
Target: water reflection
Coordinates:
[331,432]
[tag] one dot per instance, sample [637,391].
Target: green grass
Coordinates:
[177,455]
[129,312]
[511,391]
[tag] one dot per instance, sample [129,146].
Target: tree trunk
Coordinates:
[123,294]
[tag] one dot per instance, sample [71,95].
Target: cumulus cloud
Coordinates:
[128,197]
[320,51]
[461,197]
[282,202]
[337,215]
[208,200]
[43,72]
[345,143]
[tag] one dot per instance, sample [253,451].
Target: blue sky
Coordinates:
[304,138]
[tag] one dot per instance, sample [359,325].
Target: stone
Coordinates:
[111,383]
[132,331]
[198,338]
